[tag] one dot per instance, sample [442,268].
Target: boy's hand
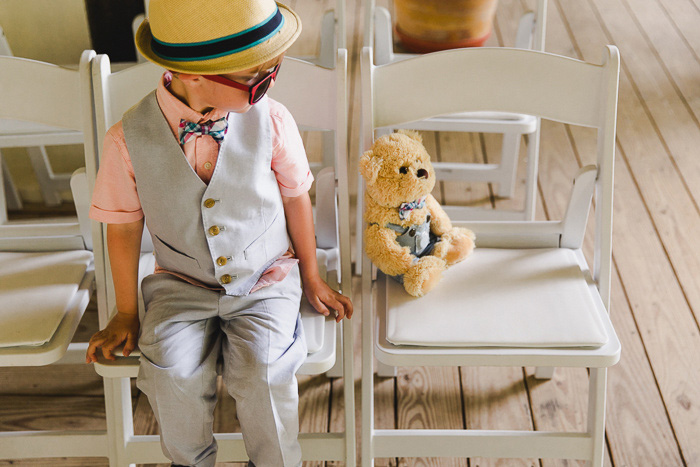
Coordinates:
[123,327]
[324,299]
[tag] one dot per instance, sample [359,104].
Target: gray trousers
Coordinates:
[185,331]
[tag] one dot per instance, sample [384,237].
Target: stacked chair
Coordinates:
[34,137]
[316,96]
[46,266]
[526,296]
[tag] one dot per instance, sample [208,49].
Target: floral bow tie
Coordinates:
[406,208]
[216,129]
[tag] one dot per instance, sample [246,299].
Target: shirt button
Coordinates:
[207,165]
[209,203]
[225,279]
[221,260]
[214,230]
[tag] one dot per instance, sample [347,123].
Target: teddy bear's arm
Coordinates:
[440,223]
[382,248]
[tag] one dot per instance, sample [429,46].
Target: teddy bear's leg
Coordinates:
[459,244]
[423,275]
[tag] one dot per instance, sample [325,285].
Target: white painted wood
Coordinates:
[576,217]
[27,78]
[34,444]
[317,97]
[477,443]
[544,372]
[552,87]
[30,133]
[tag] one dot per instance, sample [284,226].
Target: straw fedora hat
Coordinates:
[216,36]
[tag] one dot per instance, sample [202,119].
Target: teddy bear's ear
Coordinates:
[369,167]
[412,134]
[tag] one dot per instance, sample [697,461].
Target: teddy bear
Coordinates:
[408,235]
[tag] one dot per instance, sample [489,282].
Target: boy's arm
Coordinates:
[300,225]
[124,245]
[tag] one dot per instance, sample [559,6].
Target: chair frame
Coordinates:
[54,237]
[126,448]
[600,83]
[378,34]
[50,183]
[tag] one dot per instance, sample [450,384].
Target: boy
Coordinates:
[218,173]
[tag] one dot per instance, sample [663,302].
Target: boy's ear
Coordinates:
[369,167]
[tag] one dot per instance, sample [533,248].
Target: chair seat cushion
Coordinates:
[36,290]
[502,298]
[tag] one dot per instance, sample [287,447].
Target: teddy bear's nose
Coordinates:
[422,173]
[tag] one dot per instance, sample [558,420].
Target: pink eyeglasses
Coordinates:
[256,91]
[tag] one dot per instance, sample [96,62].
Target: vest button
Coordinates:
[221,260]
[209,203]
[225,279]
[214,230]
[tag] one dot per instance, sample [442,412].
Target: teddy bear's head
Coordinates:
[397,169]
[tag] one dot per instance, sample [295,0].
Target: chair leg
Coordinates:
[120,422]
[44,174]
[544,372]
[367,366]
[386,371]
[9,195]
[509,164]
[597,381]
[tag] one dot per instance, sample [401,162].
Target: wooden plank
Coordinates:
[633,398]
[59,462]
[660,304]
[429,397]
[27,413]
[496,398]
[685,18]
[669,183]
[52,380]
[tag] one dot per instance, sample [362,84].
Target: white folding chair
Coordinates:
[316,96]
[526,296]
[46,270]
[378,33]
[35,138]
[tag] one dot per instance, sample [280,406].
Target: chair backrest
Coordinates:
[37,97]
[506,80]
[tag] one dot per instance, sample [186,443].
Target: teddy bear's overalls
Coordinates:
[417,237]
[224,234]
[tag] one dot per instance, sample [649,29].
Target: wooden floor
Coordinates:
[653,412]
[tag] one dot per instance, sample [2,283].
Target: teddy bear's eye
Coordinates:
[403,170]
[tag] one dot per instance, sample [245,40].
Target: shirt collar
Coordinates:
[174,109]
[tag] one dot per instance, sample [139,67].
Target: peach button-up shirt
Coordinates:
[115,199]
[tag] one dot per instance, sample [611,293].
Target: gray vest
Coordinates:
[226,233]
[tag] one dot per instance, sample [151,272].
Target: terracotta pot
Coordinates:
[429,25]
